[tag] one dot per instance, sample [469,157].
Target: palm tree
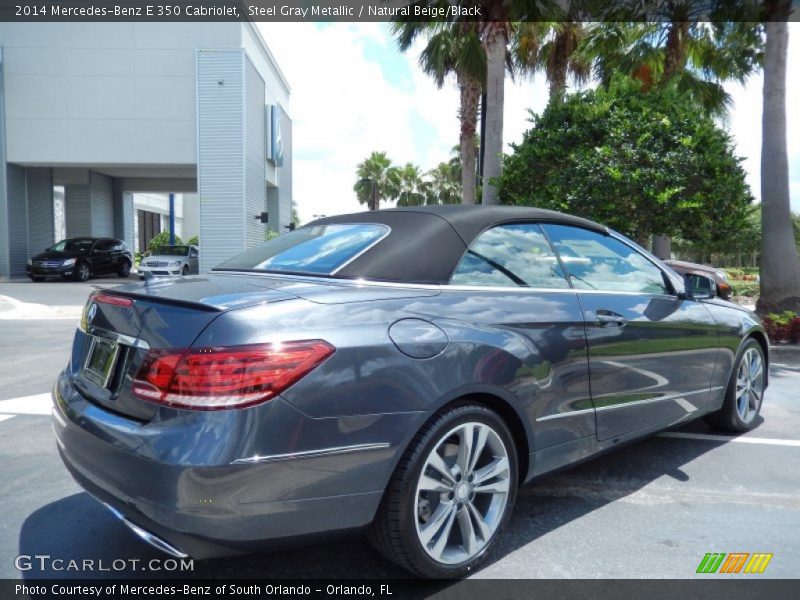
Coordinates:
[681,49]
[375,180]
[409,189]
[780,265]
[495,34]
[443,184]
[453,47]
[552,47]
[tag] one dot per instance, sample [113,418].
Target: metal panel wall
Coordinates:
[285,174]
[78,208]
[17,220]
[4,247]
[255,154]
[220,154]
[41,215]
[102,195]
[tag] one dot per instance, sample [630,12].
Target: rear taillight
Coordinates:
[230,377]
[102,298]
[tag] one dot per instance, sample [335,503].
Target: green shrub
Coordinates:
[159,241]
[194,241]
[748,289]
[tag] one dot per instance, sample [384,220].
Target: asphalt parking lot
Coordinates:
[650,510]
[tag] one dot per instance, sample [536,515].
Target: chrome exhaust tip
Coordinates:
[148,537]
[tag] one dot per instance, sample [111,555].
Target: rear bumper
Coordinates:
[205,496]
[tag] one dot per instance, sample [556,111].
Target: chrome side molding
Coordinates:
[310,453]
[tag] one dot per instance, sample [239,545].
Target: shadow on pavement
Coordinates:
[78,527]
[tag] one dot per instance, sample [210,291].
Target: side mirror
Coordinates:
[193,255]
[699,287]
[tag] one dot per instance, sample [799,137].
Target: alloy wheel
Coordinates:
[749,385]
[462,493]
[83,272]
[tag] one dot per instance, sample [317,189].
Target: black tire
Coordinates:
[728,418]
[36,279]
[125,269]
[82,272]
[394,531]
[185,270]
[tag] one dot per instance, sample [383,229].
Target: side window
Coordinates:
[104,245]
[510,255]
[599,262]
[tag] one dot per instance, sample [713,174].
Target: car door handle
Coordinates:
[608,318]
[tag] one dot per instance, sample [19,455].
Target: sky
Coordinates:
[353,92]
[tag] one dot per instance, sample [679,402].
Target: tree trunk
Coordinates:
[495,40]
[675,55]
[558,76]
[468,114]
[662,246]
[780,265]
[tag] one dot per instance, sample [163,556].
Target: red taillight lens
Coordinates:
[102,298]
[222,378]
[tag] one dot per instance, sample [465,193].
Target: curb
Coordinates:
[786,352]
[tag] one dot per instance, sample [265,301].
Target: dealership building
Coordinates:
[101,122]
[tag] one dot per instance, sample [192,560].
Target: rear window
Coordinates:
[319,250]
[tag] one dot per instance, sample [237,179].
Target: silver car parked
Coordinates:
[172,261]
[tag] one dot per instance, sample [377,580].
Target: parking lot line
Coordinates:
[724,438]
[39,404]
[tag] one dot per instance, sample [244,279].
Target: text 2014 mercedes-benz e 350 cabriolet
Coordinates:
[402,371]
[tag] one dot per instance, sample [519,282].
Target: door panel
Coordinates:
[651,354]
[655,368]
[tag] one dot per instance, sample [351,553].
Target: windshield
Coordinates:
[174,251]
[75,245]
[321,250]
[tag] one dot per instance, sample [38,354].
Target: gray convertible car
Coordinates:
[400,371]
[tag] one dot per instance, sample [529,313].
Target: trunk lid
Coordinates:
[113,338]
[117,331]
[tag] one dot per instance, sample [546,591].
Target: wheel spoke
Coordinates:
[484,530]
[499,466]
[441,519]
[465,447]
[468,538]
[431,484]
[744,406]
[755,365]
[477,450]
[755,398]
[498,487]
[436,462]
[444,536]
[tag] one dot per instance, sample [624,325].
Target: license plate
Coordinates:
[100,361]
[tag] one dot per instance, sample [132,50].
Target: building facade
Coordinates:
[106,111]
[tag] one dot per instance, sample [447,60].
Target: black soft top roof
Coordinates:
[427,242]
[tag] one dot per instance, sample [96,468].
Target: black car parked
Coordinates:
[81,258]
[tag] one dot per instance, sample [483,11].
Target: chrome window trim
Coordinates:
[427,286]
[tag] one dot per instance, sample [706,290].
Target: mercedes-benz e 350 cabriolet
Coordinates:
[401,371]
